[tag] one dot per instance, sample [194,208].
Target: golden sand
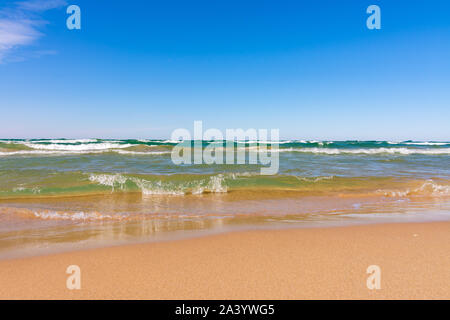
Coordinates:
[328,263]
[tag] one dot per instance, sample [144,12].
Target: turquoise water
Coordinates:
[61,167]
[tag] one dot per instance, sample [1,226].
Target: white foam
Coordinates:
[142,152]
[109,180]
[66,152]
[434,188]
[76,216]
[405,151]
[78,147]
[314,179]
[332,151]
[34,190]
[53,141]
[214,184]
[264,141]
[429,188]
[157,188]
[427,143]
[420,143]
[44,152]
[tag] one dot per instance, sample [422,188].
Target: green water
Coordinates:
[30,168]
[99,192]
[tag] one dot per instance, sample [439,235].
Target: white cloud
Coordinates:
[20,23]
[40,5]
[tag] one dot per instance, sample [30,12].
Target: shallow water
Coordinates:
[72,193]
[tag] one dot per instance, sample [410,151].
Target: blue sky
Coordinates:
[140,69]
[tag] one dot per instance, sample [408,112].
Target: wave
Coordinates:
[40,152]
[163,147]
[429,188]
[91,216]
[87,151]
[213,184]
[221,183]
[63,141]
[38,184]
[108,180]
[77,147]
[420,143]
[77,216]
[404,151]
[142,152]
[314,179]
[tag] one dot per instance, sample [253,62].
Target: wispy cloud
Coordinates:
[40,5]
[20,24]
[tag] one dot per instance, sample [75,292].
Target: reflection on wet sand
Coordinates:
[45,225]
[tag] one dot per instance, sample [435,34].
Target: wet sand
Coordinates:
[315,263]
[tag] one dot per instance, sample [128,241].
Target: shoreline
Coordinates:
[300,263]
[64,243]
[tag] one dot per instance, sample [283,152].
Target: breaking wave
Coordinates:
[77,147]
[429,188]
[147,147]
[404,151]
[213,184]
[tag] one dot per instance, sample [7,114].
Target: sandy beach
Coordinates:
[224,150]
[316,263]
